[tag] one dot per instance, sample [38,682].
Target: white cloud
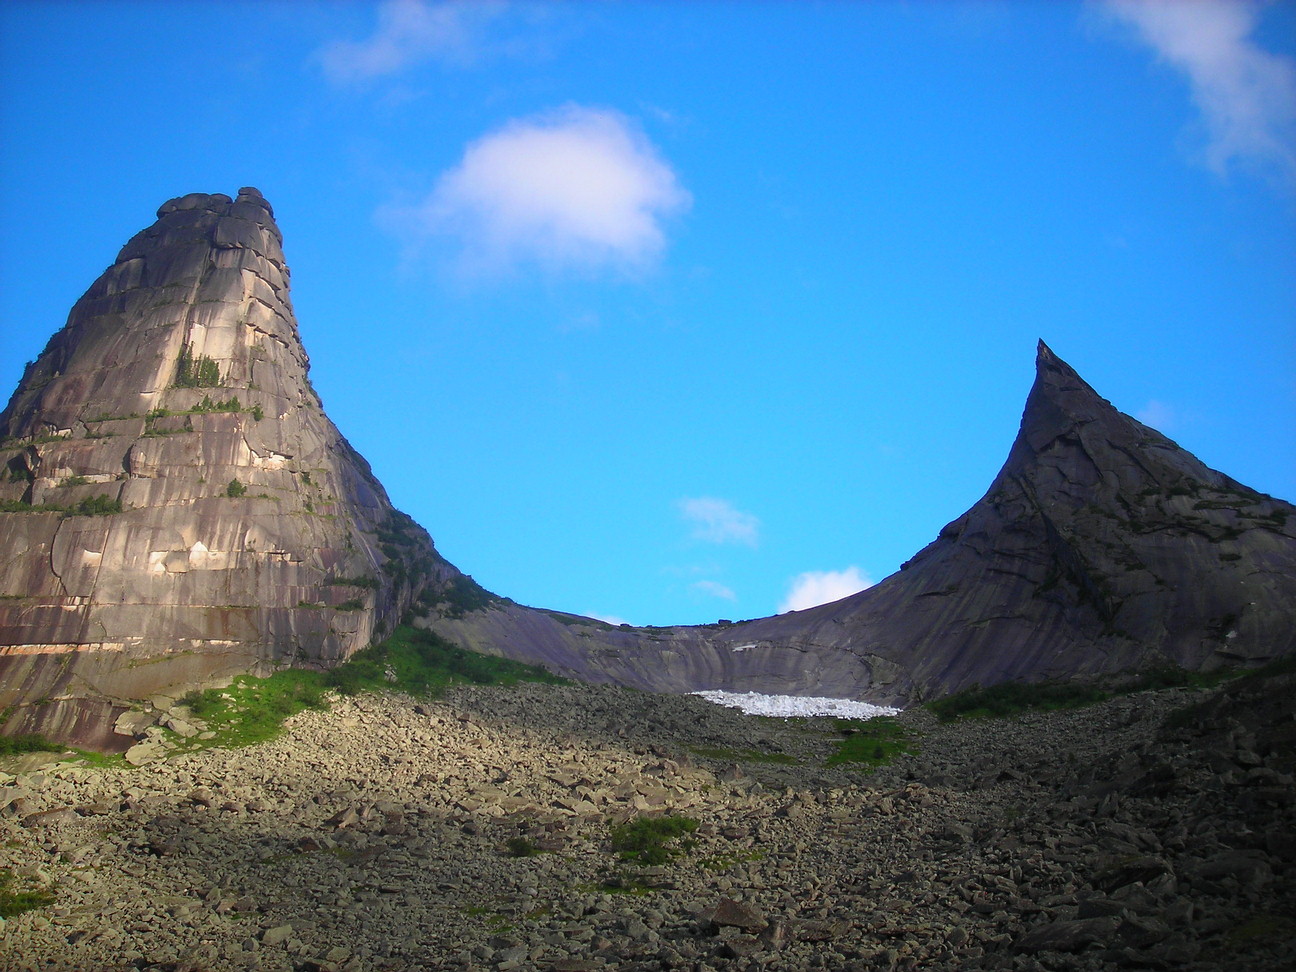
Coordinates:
[577,187]
[717,521]
[410,31]
[715,589]
[1246,95]
[1157,414]
[816,587]
[608,618]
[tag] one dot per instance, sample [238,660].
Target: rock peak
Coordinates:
[233,527]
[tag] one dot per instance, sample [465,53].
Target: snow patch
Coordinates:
[786,706]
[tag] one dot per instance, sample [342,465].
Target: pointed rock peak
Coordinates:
[1046,360]
[1053,373]
[172,491]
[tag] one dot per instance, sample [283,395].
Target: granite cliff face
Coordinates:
[177,505]
[1100,547]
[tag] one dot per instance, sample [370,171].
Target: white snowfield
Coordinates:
[785,706]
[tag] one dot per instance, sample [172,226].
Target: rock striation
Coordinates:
[1100,547]
[176,505]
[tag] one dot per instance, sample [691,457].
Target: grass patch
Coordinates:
[16,899]
[252,710]
[34,743]
[870,742]
[423,663]
[1013,698]
[27,743]
[648,840]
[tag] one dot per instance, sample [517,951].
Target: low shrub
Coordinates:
[647,840]
[521,847]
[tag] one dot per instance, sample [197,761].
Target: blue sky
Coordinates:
[677,311]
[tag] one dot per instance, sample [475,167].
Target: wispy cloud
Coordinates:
[816,587]
[409,32]
[1157,414]
[715,589]
[1246,95]
[718,521]
[575,188]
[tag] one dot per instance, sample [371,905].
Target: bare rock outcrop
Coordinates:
[1101,547]
[177,508]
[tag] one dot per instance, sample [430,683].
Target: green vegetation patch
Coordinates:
[651,840]
[723,862]
[207,405]
[251,710]
[27,743]
[521,847]
[422,663]
[196,372]
[16,897]
[100,505]
[34,743]
[1013,698]
[870,742]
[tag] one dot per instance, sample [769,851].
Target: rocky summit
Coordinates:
[177,506]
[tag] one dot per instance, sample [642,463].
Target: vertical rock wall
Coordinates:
[178,506]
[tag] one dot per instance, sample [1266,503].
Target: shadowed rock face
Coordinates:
[1100,547]
[250,532]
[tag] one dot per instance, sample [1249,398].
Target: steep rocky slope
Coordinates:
[1100,547]
[377,836]
[177,505]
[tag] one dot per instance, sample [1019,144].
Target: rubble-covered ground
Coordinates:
[475,833]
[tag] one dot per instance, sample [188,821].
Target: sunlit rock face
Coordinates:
[1100,547]
[249,532]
